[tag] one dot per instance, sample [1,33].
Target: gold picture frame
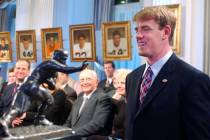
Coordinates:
[26,45]
[51,40]
[5,47]
[176,9]
[116,37]
[82,42]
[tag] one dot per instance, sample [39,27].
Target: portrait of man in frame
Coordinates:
[5,47]
[51,40]
[82,42]
[26,45]
[116,40]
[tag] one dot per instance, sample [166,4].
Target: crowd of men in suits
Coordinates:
[95,117]
[164,99]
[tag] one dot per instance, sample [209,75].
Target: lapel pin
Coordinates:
[164,80]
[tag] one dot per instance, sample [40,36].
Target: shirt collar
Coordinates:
[156,67]
[110,80]
[89,95]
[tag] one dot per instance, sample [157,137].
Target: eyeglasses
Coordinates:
[87,79]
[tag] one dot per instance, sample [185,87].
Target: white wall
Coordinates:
[192,29]
[34,14]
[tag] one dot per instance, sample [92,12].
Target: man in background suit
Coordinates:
[11,79]
[1,82]
[167,99]
[91,111]
[62,82]
[21,70]
[107,84]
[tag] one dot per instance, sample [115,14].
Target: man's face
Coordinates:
[51,42]
[21,70]
[149,38]
[88,82]
[26,44]
[109,70]
[81,41]
[3,42]
[62,78]
[11,77]
[116,40]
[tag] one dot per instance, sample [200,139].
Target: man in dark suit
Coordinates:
[62,82]
[167,99]
[11,79]
[91,111]
[21,71]
[107,84]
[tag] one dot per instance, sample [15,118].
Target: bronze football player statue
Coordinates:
[31,89]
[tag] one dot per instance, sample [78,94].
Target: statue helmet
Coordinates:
[60,56]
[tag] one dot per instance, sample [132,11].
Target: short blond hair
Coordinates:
[121,74]
[162,16]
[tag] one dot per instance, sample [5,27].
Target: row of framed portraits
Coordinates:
[116,42]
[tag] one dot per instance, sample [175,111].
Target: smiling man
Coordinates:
[92,109]
[21,71]
[167,99]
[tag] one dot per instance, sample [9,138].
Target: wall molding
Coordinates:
[207,38]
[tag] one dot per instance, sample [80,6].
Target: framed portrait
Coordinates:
[26,45]
[116,40]
[5,47]
[51,40]
[176,9]
[82,42]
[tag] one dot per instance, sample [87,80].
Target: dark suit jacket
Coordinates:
[110,89]
[70,93]
[57,113]
[6,98]
[4,85]
[94,117]
[119,119]
[177,106]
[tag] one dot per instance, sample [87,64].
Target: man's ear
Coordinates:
[166,32]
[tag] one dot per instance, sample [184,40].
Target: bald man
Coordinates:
[92,110]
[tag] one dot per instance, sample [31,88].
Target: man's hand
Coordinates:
[18,120]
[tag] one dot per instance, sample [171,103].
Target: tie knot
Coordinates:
[17,85]
[148,72]
[85,98]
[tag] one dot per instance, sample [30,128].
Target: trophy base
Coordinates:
[40,132]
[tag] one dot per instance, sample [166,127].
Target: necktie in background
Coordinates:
[85,99]
[15,89]
[146,83]
[107,83]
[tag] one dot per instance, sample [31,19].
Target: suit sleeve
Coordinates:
[195,107]
[127,81]
[59,100]
[100,118]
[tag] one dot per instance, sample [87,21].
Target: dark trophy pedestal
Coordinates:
[40,132]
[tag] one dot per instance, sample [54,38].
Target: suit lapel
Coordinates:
[159,83]
[84,108]
[76,109]
[87,103]
[138,83]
